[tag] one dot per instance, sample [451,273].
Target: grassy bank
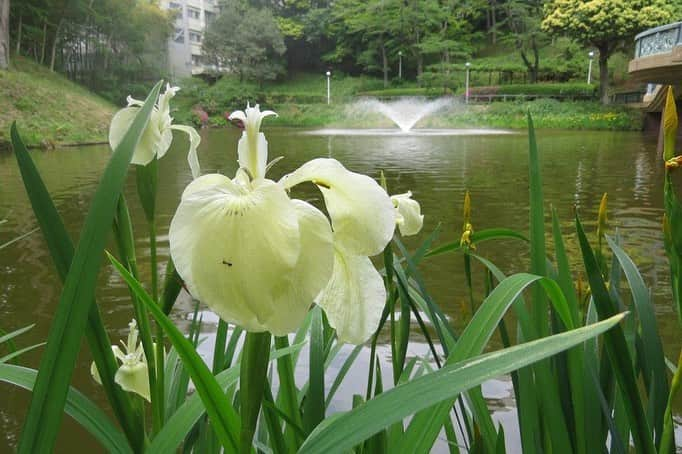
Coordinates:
[48,108]
[547,113]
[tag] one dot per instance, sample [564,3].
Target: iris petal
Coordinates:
[252,153]
[409,217]
[236,248]
[362,214]
[151,136]
[134,378]
[194,140]
[354,298]
[312,272]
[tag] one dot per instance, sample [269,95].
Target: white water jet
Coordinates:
[405,112]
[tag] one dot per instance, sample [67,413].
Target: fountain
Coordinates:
[405,113]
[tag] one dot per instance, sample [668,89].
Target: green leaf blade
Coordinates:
[57,363]
[342,433]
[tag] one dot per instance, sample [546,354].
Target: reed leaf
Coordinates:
[63,343]
[617,349]
[79,407]
[224,419]
[342,433]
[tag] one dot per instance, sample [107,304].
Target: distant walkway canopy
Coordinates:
[658,55]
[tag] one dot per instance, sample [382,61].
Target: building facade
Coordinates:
[185,57]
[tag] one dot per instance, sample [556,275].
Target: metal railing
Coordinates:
[659,40]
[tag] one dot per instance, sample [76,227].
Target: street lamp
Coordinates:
[329,74]
[400,64]
[466,87]
[589,68]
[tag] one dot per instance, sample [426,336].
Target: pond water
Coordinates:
[578,167]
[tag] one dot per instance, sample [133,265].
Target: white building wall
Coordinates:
[185,57]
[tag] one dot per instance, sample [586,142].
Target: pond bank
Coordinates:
[547,114]
[49,109]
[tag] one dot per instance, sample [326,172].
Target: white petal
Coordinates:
[237,115]
[134,378]
[408,214]
[354,298]
[194,140]
[134,102]
[164,143]
[164,107]
[149,142]
[362,214]
[311,274]
[236,248]
[252,151]
[118,353]
[95,373]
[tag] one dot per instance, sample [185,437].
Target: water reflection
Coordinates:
[578,167]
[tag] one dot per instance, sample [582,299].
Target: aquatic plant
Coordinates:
[572,395]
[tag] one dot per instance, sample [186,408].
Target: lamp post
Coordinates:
[329,74]
[466,87]
[400,64]
[589,68]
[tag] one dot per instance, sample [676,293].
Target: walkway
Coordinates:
[658,55]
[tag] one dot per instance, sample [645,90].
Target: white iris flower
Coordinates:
[259,258]
[408,214]
[157,137]
[133,374]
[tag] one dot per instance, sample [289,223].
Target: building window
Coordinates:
[179,36]
[194,37]
[173,5]
[210,17]
[193,13]
[196,60]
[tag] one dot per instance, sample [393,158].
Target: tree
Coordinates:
[377,24]
[604,24]
[521,29]
[4,34]
[247,41]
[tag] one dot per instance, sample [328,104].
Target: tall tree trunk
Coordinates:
[604,74]
[385,64]
[420,65]
[493,21]
[54,45]
[42,51]
[4,34]
[536,60]
[19,29]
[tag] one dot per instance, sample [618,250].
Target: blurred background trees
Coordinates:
[115,47]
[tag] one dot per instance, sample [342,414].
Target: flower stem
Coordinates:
[123,231]
[252,378]
[159,346]
[667,438]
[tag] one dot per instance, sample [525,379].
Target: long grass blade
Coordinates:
[79,407]
[61,251]
[617,350]
[49,394]
[340,434]
[224,419]
[653,357]
[478,237]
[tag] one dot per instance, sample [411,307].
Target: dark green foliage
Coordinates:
[566,90]
[114,47]
[246,40]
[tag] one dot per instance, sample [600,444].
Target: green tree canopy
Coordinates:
[246,41]
[604,24]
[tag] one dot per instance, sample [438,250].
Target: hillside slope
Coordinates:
[48,108]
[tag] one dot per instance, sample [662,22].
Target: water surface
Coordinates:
[578,167]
